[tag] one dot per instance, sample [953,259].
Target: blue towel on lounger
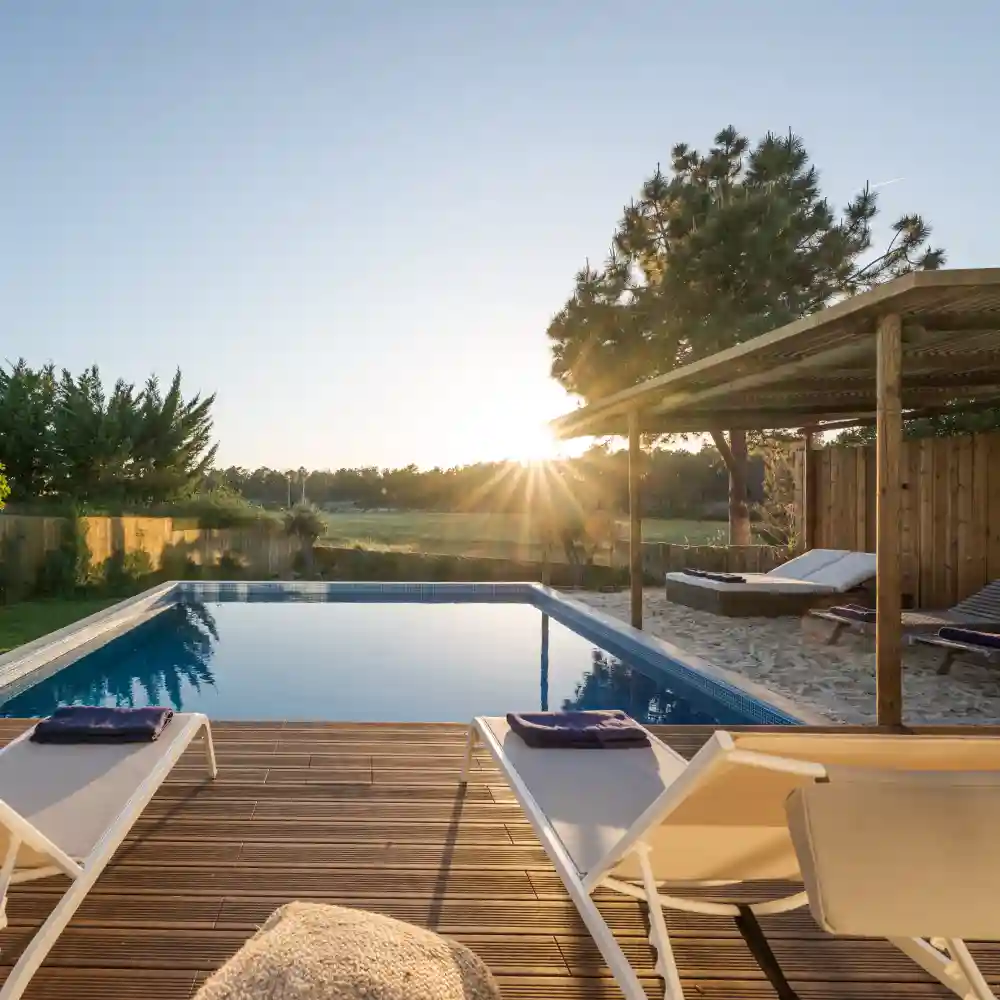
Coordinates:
[86,724]
[970,636]
[718,577]
[577,730]
[854,612]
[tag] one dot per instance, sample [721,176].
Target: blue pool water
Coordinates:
[391,662]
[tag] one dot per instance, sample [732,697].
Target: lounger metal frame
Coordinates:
[84,872]
[947,960]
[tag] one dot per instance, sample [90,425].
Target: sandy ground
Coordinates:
[788,656]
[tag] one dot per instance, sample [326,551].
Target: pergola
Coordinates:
[921,345]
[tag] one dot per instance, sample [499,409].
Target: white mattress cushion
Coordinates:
[762,583]
[804,566]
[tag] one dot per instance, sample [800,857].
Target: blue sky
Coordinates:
[353,221]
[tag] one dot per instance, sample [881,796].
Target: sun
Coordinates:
[535,445]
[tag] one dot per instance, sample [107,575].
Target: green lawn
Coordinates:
[496,535]
[27,620]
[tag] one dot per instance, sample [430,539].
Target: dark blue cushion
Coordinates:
[970,636]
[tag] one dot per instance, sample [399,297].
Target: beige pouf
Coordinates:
[309,951]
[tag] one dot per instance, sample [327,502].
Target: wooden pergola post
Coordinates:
[889,443]
[635,519]
[809,489]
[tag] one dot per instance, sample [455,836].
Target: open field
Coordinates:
[484,535]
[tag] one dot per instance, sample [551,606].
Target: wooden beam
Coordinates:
[910,295]
[770,374]
[809,489]
[635,518]
[889,443]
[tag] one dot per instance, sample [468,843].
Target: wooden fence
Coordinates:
[25,540]
[950,519]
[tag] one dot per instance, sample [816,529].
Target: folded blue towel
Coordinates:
[705,574]
[578,730]
[855,612]
[86,724]
[970,636]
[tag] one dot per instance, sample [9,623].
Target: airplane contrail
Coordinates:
[882,184]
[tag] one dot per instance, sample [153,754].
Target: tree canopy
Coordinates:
[64,437]
[723,247]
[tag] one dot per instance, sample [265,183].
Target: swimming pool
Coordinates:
[389,653]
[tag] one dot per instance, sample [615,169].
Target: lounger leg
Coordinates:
[947,661]
[958,971]
[659,937]
[611,952]
[41,944]
[470,745]
[960,953]
[206,736]
[838,628]
[5,873]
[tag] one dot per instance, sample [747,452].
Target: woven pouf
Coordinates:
[308,951]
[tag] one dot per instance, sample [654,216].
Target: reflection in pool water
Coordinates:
[358,662]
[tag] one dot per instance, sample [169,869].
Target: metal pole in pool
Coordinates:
[545,663]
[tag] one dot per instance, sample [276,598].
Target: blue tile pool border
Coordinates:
[685,674]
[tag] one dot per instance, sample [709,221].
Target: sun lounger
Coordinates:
[892,836]
[790,589]
[957,642]
[980,611]
[64,810]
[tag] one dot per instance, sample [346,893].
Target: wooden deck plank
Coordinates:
[372,816]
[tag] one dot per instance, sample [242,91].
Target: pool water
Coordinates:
[389,662]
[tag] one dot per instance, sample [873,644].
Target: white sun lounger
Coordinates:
[787,589]
[65,809]
[892,835]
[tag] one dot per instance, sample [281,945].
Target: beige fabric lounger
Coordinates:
[65,809]
[788,589]
[980,611]
[633,820]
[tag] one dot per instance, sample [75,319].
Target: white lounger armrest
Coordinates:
[900,857]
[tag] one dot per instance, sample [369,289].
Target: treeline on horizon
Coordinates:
[69,442]
[676,483]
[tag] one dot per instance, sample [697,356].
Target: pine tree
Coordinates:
[723,247]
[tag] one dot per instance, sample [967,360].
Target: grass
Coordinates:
[27,620]
[483,535]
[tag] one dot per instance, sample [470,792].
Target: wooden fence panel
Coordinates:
[950,512]
[25,540]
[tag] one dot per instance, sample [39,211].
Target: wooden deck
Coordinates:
[371,816]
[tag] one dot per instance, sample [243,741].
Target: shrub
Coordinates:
[66,568]
[230,566]
[13,580]
[177,564]
[124,572]
[222,508]
[305,522]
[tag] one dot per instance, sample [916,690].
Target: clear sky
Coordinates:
[353,220]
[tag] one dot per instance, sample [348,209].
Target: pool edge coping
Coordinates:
[802,714]
[34,655]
